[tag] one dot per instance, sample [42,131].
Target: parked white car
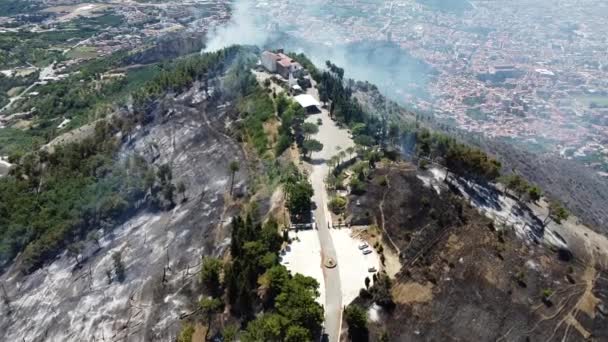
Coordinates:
[367,251]
[363,246]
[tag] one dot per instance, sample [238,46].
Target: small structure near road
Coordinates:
[309,103]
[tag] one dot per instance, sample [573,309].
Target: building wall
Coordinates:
[283,71]
[269,61]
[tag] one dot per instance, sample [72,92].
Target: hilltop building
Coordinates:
[281,64]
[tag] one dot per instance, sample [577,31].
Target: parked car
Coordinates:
[363,246]
[366,252]
[372,270]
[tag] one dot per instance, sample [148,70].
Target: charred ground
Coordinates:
[462,278]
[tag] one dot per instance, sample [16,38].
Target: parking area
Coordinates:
[355,263]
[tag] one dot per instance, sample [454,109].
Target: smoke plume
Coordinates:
[244,28]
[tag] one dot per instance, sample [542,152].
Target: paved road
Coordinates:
[44,72]
[333,139]
[333,288]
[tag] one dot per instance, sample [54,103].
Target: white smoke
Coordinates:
[244,28]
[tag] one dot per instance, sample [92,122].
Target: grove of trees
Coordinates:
[255,278]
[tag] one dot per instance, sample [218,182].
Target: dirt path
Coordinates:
[383,219]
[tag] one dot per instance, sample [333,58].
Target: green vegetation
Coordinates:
[521,188]
[84,52]
[309,129]
[345,108]
[311,145]
[291,312]
[9,83]
[557,213]
[337,205]
[102,21]
[42,48]
[356,318]
[181,74]
[210,274]
[53,199]
[83,98]
[186,333]
[292,117]
[209,307]
[299,192]
[461,159]
[14,142]
[119,266]
[257,109]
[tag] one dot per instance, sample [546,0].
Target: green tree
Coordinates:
[534,193]
[282,103]
[95,237]
[342,155]
[270,236]
[164,174]
[309,129]
[311,145]
[556,213]
[119,266]
[234,168]
[169,193]
[274,281]
[186,333]
[332,163]
[516,184]
[210,274]
[297,303]
[298,197]
[209,307]
[297,334]
[350,150]
[337,205]
[356,318]
[229,334]
[267,327]
[149,179]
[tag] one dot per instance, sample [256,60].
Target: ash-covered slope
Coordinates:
[161,250]
[464,277]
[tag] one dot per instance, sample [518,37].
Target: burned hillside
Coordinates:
[134,280]
[412,215]
[465,278]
